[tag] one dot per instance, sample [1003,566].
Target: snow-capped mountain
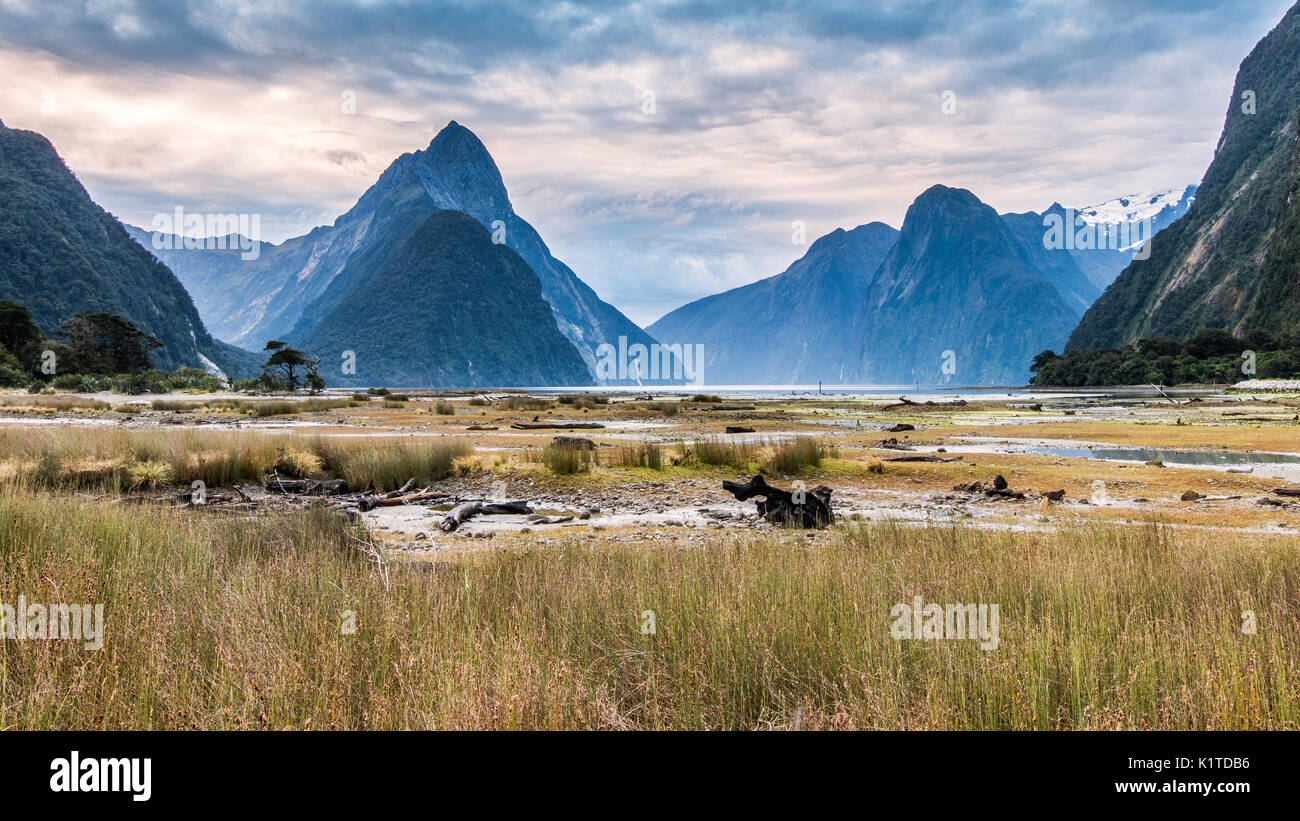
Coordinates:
[1161,207]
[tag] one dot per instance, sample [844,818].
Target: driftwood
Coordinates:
[463,513]
[921,458]
[800,508]
[1293,492]
[996,490]
[308,487]
[729,408]
[892,443]
[556,425]
[739,429]
[900,427]
[372,502]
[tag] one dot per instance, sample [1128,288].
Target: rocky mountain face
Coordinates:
[959,296]
[962,299]
[250,301]
[440,305]
[789,328]
[1231,262]
[60,253]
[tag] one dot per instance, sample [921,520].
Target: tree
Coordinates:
[17,329]
[281,368]
[106,343]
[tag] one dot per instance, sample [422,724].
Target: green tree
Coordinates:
[283,366]
[106,343]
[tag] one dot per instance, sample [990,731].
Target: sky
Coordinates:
[664,150]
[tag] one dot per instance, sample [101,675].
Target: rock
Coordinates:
[1191,496]
[1054,495]
[1154,463]
[573,442]
[999,482]
[900,427]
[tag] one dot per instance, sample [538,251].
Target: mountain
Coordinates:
[962,288]
[878,306]
[250,301]
[60,253]
[1230,262]
[788,328]
[442,307]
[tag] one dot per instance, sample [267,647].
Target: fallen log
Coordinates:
[921,458]
[1293,492]
[308,487]
[798,508]
[372,502]
[463,513]
[730,408]
[556,425]
[401,491]
[739,429]
[900,427]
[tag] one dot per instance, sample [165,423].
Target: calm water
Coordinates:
[1198,458]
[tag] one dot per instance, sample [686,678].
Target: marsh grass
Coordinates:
[215,622]
[565,460]
[115,460]
[646,455]
[527,403]
[797,455]
[444,409]
[712,450]
[52,403]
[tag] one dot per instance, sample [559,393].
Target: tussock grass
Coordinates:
[797,455]
[252,407]
[53,403]
[716,451]
[216,622]
[638,456]
[527,403]
[565,460]
[115,460]
[444,409]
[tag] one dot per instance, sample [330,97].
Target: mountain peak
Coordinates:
[458,143]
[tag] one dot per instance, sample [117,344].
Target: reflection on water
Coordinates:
[1173,457]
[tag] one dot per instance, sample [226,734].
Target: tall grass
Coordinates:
[646,455]
[213,622]
[797,455]
[715,451]
[90,458]
[526,403]
[564,460]
[54,403]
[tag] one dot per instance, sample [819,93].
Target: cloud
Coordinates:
[762,112]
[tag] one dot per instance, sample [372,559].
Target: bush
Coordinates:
[444,409]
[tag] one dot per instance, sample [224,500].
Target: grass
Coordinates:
[566,460]
[215,622]
[716,451]
[115,460]
[797,456]
[638,456]
[706,397]
[53,403]
[444,409]
[252,407]
[523,403]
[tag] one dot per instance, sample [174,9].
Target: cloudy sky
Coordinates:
[662,149]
